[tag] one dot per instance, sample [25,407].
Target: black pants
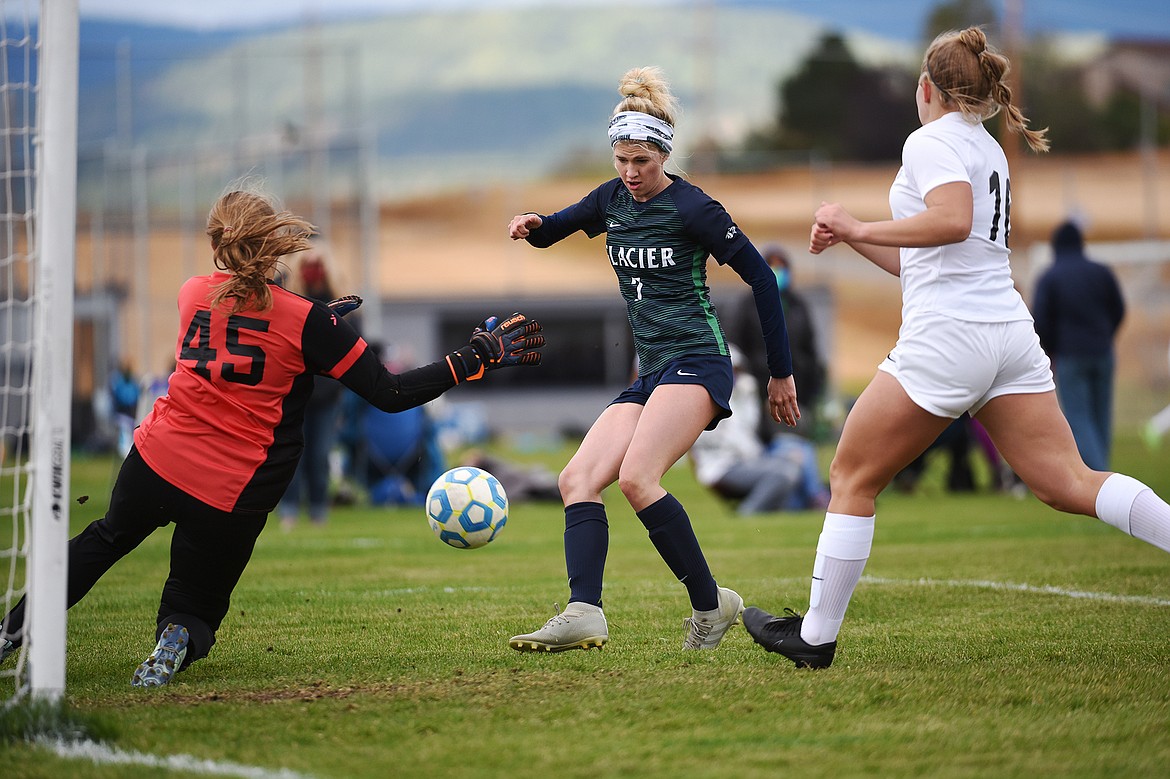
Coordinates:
[209,551]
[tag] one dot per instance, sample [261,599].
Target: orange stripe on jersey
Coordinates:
[348,360]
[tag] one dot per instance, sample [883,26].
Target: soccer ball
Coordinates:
[467,507]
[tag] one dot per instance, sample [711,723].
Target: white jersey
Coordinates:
[970,280]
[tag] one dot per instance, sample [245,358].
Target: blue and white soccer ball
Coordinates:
[467,507]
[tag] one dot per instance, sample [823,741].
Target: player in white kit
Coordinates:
[967,343]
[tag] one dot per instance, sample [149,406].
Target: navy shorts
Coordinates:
[713,372]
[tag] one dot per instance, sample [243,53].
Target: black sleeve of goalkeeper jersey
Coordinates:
[329,341]
[397,391]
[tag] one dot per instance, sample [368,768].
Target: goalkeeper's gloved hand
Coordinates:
[345,305]
[515,341]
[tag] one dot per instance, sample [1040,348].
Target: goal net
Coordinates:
[38,143]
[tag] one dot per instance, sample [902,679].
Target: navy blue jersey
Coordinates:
[658,250]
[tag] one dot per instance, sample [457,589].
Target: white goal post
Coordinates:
[40,179]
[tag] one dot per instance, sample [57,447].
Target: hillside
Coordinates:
[455,94]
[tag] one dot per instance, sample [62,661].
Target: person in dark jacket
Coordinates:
[1078,308]
[309,487]
[808,368]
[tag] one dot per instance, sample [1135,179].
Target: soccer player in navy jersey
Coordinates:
[660,231]
[217,451]
[967,343]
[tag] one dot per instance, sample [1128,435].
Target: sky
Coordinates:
[898,19]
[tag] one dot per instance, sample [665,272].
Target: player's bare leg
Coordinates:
[883,433]
[594,467]
[674,417]
[1034,438]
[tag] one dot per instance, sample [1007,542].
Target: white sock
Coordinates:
[842,552]
[1133,508]
[1150,520]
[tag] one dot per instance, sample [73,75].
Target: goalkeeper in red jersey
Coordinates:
[216,452]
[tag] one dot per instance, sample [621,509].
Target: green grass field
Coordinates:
[992,637]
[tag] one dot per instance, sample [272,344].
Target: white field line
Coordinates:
[186,765]
[102,754]
[1045,589]
[1014,587]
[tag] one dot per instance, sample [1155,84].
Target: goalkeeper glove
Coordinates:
[345,305]
[516,341]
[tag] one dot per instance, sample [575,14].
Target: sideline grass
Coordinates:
[366,648]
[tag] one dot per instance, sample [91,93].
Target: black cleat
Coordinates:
[782,636]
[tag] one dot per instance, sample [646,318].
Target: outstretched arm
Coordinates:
[516,341]
[522,225]
[945,220]
[888,258]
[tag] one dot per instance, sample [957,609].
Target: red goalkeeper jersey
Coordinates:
[229,429]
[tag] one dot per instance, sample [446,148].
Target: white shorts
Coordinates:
[948,366]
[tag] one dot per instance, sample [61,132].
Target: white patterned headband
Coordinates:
[637,126]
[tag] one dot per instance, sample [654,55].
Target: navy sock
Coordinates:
[674,538]
[586,544]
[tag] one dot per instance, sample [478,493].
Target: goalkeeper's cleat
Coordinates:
[166,659]
[705,629]
[782,636]
[579,626]
[7,648]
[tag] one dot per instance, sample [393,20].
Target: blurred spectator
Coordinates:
[732,461]
[398,455]
[520,482]
[957,442]
[311,277]
[1157,426]
[393,457]
[808,369]
[153,388]
[124,394]
[1078,308]
[1003,478]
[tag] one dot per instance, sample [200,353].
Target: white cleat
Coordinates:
[579,626]
[705,629]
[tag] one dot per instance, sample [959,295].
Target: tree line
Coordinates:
[834,107]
